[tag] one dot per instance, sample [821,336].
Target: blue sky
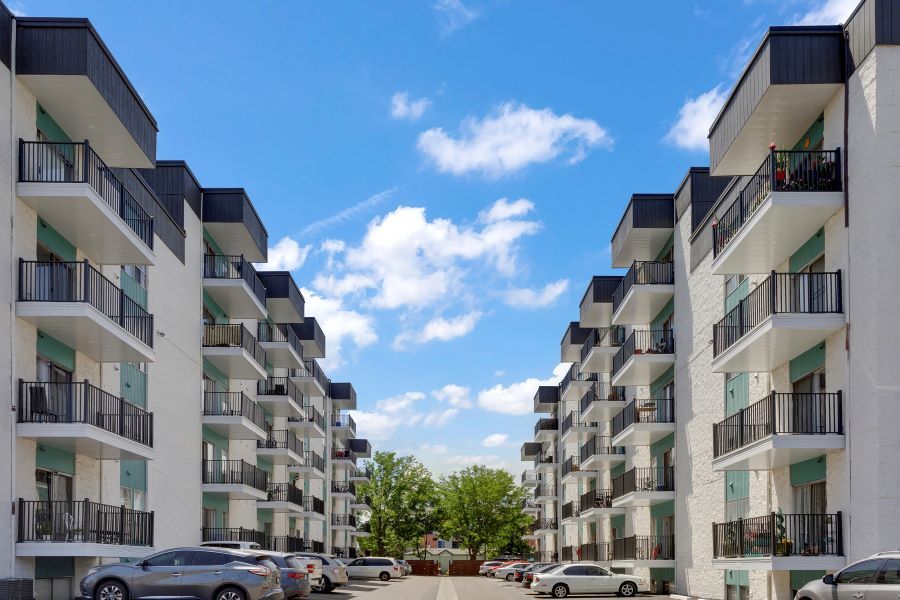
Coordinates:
[443,177]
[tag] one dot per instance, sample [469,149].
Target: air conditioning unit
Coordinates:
[16,589]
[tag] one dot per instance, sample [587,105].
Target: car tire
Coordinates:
[324,587]
[628,589]
[560,590]
[229,593]
[510,576]
[111,589]
[384,576]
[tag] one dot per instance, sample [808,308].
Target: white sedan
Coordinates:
[587,578]
[487,566]
[509,571]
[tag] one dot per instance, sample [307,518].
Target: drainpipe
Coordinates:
[846,152]
[12,282]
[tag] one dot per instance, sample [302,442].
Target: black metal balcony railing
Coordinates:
[284,492]
[574,374]
[279,386]
[601,392]
[779,293]
[544,490]
[361,472]
[547,524]
[599,444]
[571,465]
[643,273]
[80,282]
[343,487]
[234,404]
[780,535]
[646,410]
[594,551]
[570,509]
[220,266]
[780,414]
[596,499]
[82,521]
[312,369]
[646,341]
[349,552]
[235,472]
[546,425]
[366,500]
[343,454]
[313,460]
[81,402]
[611,337]
[364,527]
[313,546]
[235,534]
[344,421]
[76,162]
[529,475]
[310,414]
[313,504]
[653,479]
[343,520]
[567,554]
[573,419]
[287,543]
[282,439]
[544,460]
[279,332]
[781,171]
[644,547]
[233,335]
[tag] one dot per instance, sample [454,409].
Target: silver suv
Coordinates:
[203,573]
[334,573]
[875,578]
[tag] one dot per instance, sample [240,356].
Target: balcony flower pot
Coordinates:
[784,547]
[45,531]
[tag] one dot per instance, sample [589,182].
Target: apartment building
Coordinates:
[163,391]
[735,431]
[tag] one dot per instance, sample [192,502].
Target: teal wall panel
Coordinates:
[218,441]
[54,459]
[53,349]
[801,578]
[659,448]
[133,384]
[133,289]
[808,471]
[737,393]
[662,381]
[50,127]
[133,474]
[737,485]
[809,361]
[53,240]
[49,567]
[737,577]
[663,314]
[812,248]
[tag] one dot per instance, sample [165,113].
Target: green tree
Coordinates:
[482,508]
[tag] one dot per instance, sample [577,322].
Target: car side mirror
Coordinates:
[829,579]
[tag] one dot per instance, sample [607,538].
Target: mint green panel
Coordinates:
[263,516]
[736,295]
[666,247]
[217,311]
[218,503]
[808,471]
[133,289]
[133,384]
[53,240]
[264,465]
[662,574]
[220,442]
[48,567]
[51,348]
[809,361]
[812,248]
[617,470]
[736,577]
[54,459]
[801,578]
[216,375]
[49,127]
[737,393]
[209,239]
[658,511]
[663,314]
[737,485]
[812,136]
[659,448]
[662,381]
[618,522]
[133,474]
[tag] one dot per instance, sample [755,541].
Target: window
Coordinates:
[593,571]
[890,572]
[169,559]
[138,273]
[209,518]
[211,559]
[737,592]
[732,282]
[863,572]
[576,570]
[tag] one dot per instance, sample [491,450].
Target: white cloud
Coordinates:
[695,118]
[503,210]
[342,286]
[494,440]
[340,325]
[347,214]
[528,298]
[433,448]
[828,12]
[404,108]
[517,398]
[510,139]
[439,329]
[286,255]
[401,402]
[460,461]
[454,395]
[453,15]
[375,427]
[439,418]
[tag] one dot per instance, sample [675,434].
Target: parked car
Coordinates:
[201,572]
[334,572]
[487,566]
[407,568]
[374,567]
[492,572]
[529,575]
[520,571]
[233,545]
[587,578]
[297,573]
[877,576]
[508,571]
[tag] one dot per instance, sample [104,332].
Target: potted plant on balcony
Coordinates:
[783,545]
[45,531]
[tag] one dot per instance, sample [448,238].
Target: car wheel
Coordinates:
[627,589]
[509,576]
[385,576]
[111,590]
[560,591]
[324,586]
[229,593]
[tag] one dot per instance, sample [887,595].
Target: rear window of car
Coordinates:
[204,558]
[295,562]
[382,562]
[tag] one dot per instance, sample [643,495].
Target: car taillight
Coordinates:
[310,568]
[296,575]
[261,571]
[396,568]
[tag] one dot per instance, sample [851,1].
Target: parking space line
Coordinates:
[447,591]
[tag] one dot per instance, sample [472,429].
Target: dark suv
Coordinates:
[201,573]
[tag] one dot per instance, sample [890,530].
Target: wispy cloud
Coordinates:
[828,12]
[494,440]
[527,298]
[453,15]
[402,107]
[695,118]
[351,212]
[439,329]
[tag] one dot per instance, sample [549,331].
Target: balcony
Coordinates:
[575,429]
[343,396]
[281,447]
[360,447]
[360,475]
[645,228]
[235,534]
[310,378]
[311,336]
[599,349]
[233,350]
[598,503]
[288,543]
[644,422]
[782,317]
[595,310]
[546,430]
[345,490]
[644,487]
[602,402]
[644,291]
[572,471]
[787,200]
[282,347]
[81,528]
[780,542]
[644,356]
[313,508]
[530,450]
[346,553]
[653,551]
[597,552]
[530,534]
[312,466]
[530,478]
[232,283]
[282,498]
[284,302]
[546,399]
[779,430]
[531,507]
[343,522]
[545,494]
[575,383]
[236,479]
[545,465]
[74,191]
[546,526]
[343,457]
[572,341]
[81,308]
[234,415]
[361,503]
[229,217]
[310,423]
[81,418]
[343,426]
[570,511]
[598,452]
[280,397]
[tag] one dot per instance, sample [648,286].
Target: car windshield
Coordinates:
[549,568]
